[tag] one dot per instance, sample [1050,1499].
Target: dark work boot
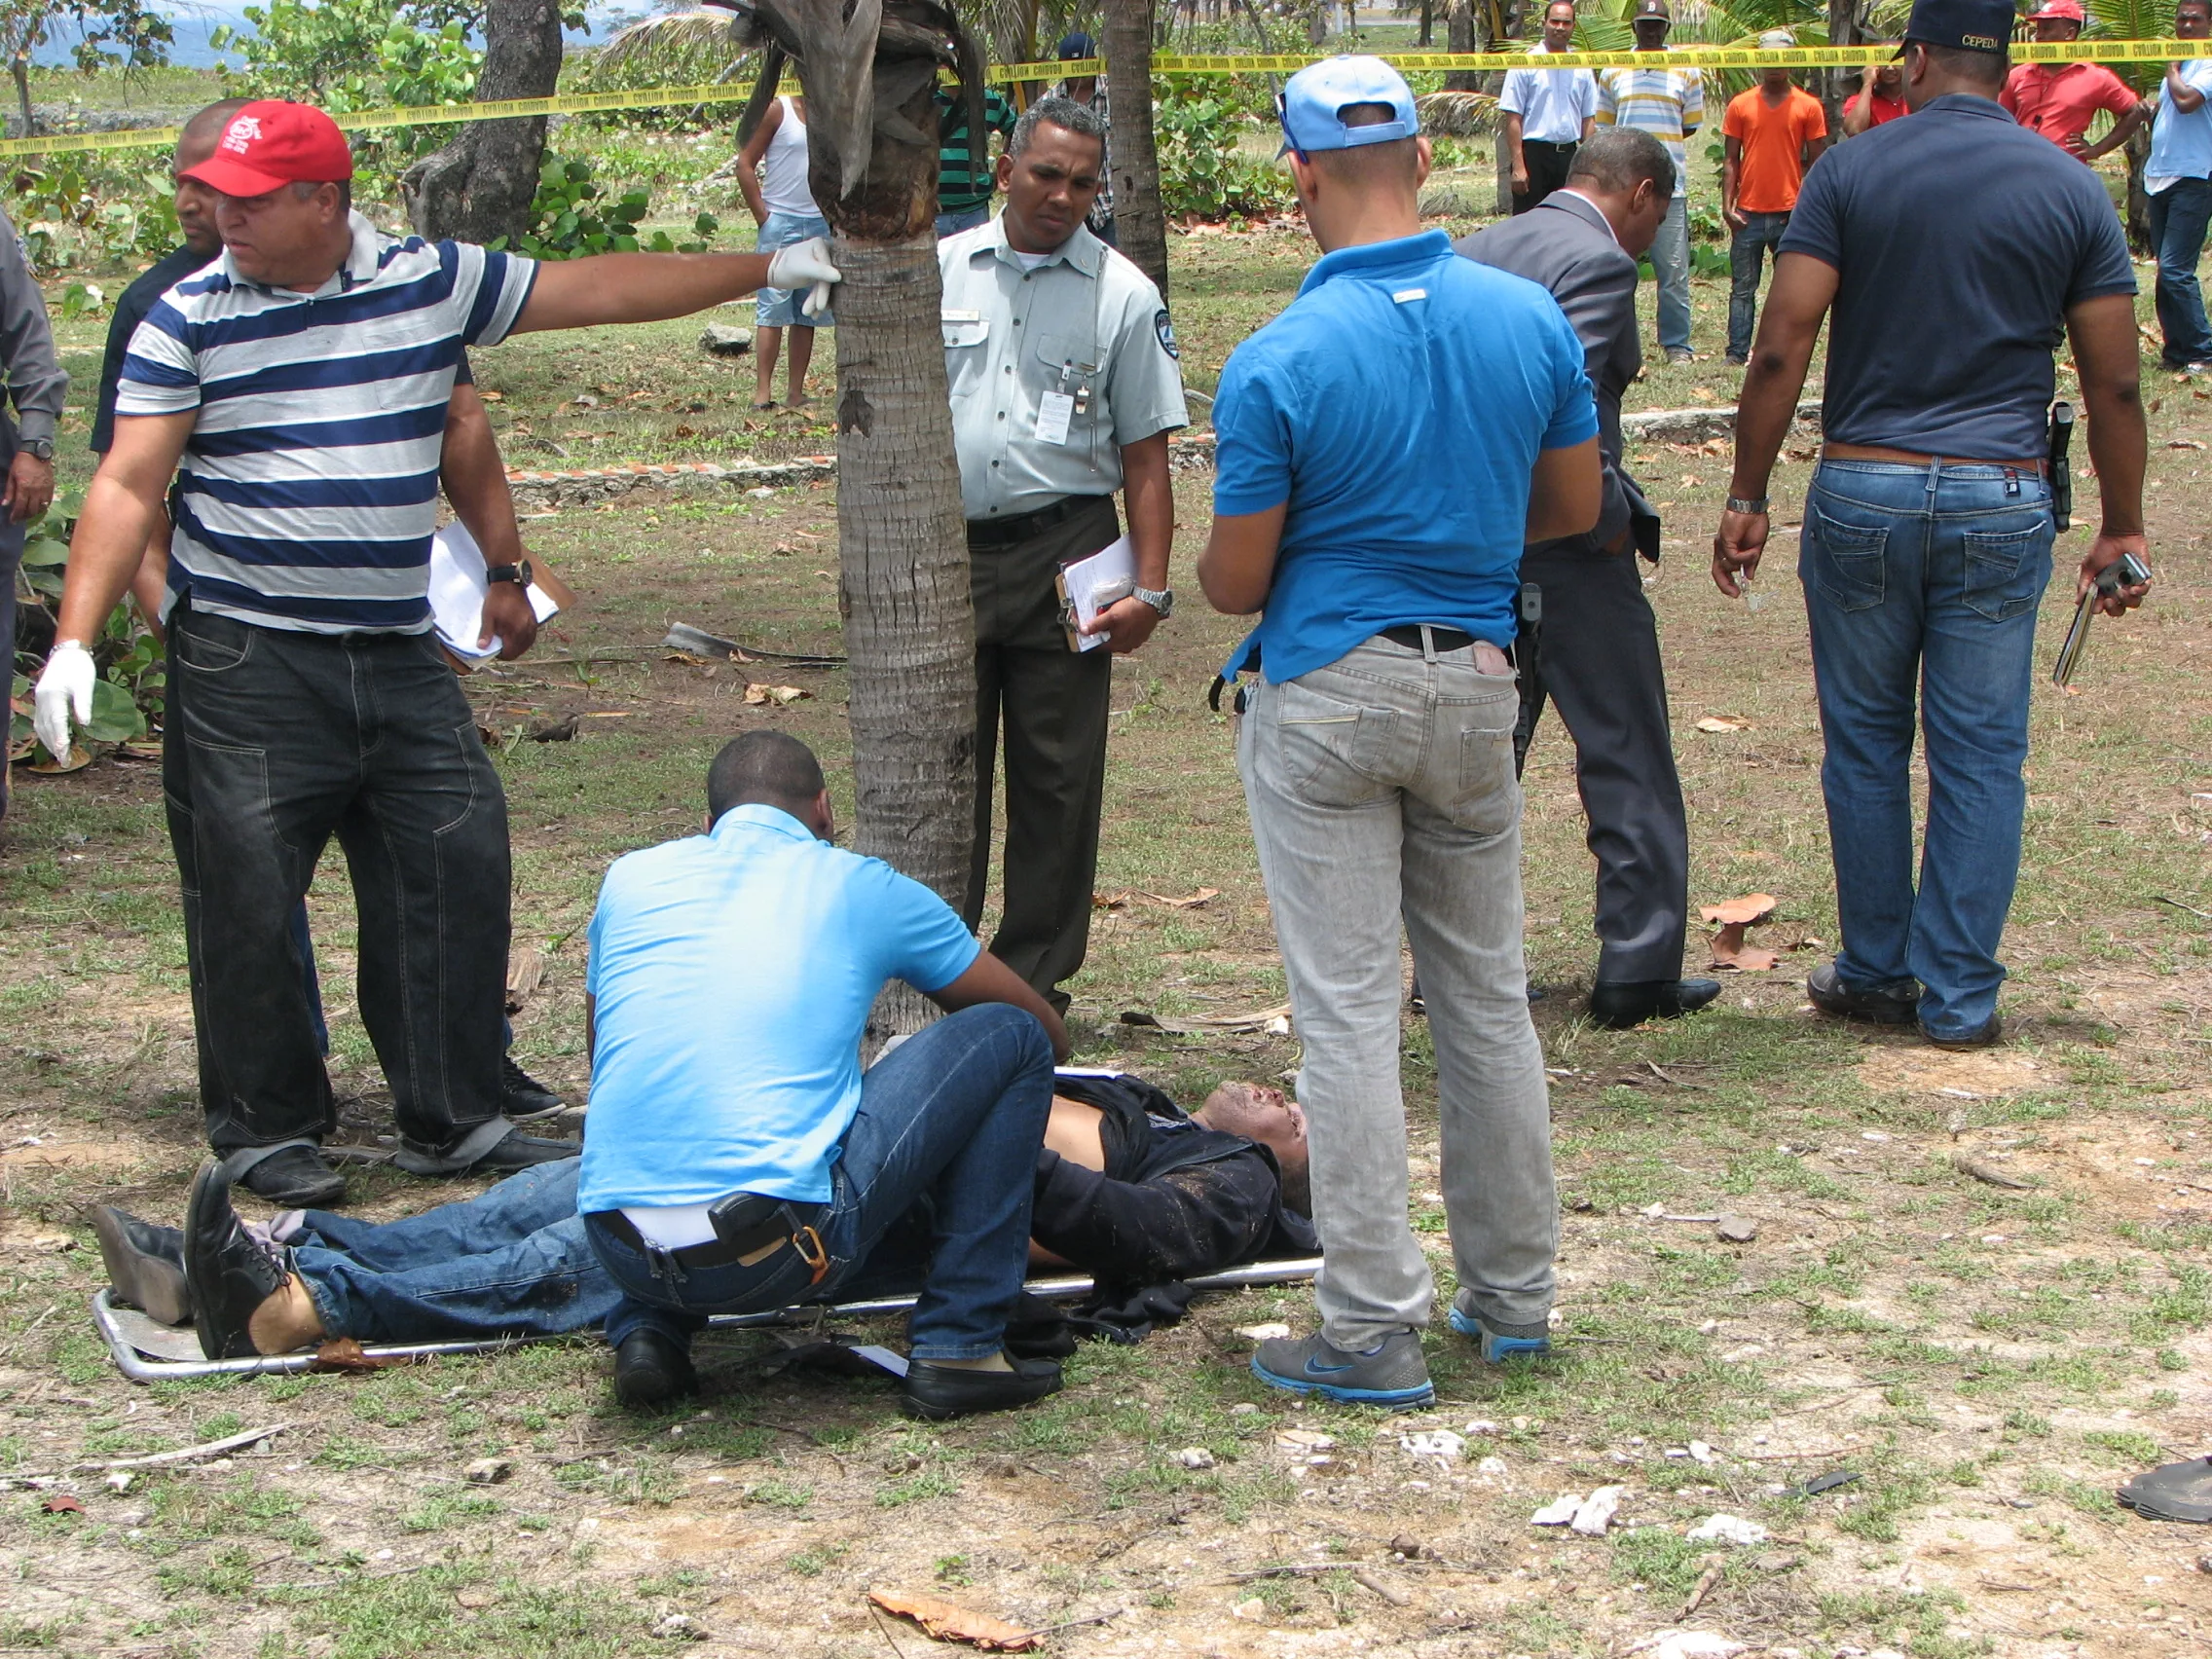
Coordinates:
[522,1096]
[651,1369]
[295,1177]
[1895,1004]
[229,1270]
[145,1265]
[1621,1004]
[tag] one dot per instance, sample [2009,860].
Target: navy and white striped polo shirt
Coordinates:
[307,491]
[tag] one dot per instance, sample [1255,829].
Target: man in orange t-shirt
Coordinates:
[2059,100]
[1773,132]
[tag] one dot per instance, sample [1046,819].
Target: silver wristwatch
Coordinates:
[1739,505]
[1161,600]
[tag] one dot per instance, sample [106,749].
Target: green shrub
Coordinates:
[570,217]
[1202,174]
[130,664]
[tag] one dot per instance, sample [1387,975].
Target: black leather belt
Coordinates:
[1408,634]
[1007,531]
[1551,143]
[763,1241]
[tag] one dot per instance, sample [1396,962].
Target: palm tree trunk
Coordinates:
[480,187]
[1138,217]
[903,544]
[903,566]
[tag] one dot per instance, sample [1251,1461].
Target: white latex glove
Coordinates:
[806,265]
[64,685]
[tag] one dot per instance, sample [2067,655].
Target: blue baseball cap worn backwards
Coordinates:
[1311,105]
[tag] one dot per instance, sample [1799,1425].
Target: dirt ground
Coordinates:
[1987,1360]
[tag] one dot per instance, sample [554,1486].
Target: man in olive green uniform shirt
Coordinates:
[1064,388]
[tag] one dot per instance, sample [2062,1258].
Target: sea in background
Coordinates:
[194,25]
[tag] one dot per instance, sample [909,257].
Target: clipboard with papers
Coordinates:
[1088,586]
[457,595]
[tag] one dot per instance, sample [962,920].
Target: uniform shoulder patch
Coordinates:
[1166,332]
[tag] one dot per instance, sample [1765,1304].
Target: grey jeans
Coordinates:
[1380,787]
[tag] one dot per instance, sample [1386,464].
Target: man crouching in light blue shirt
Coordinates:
[738,1162]
[1385,446]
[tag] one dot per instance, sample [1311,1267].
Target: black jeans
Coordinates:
[1548,167]
[276,741]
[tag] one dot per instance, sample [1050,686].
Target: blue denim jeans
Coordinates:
[962,219]
[2179,214]
[513,1261]
[781,308]
[1925,578]
[955,1113]
[1746,261]
[1670,264]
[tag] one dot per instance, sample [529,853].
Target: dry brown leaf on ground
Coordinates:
[79,760]
[1723,723]
[1735,915]
[345,1353]
[782,694]
[1110,900]
[526,972]
[950,1623]
[1748,908]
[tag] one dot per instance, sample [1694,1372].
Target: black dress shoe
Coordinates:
[1619,1004]
[1893,1004]
[145,1265]
[522,1096]
[936,1392]
[295,1178]
[229,1271]
[513,1152]
[651,1369]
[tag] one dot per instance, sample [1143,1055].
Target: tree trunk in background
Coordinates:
[2138,152]
[1493,83]
[480,187]
[1843,30]
[1138,218]
[1428,22]
[1461,33]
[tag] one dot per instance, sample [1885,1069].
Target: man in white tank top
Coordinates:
[773,173]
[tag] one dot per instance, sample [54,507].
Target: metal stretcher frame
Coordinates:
[141,1367]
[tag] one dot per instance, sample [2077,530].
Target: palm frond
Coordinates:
[2130,20]
[1458,114]
[669,37]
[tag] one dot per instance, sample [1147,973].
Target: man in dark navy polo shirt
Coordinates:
[1955,249]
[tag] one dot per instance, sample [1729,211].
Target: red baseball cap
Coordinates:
[2064,10]
[271,142]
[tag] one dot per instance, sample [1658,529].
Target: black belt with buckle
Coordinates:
[786,1225]
[987,533]
[1408,634]
[1552,143]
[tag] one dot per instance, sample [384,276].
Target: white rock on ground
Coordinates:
[1435,1443]
[1558,1512]
[1728,1529]
[1195,1458]
[1597,1511]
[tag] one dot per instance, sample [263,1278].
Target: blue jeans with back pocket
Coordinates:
[1925,579]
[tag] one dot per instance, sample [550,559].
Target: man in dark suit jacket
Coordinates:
[1597,656]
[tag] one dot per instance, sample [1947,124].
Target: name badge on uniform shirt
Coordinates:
[1054,410]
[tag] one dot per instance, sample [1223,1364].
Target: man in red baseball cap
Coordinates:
[296,389]
[2059,100]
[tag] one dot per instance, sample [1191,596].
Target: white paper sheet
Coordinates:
[1110,572]
[457,593]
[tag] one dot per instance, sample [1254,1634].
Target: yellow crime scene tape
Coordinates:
[1163,63]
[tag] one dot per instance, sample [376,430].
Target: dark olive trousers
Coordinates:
[1052,704]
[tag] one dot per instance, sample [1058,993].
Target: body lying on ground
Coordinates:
[1129,1188]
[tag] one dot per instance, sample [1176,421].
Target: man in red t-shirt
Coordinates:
[2059,100]
[1880,99]
[1773,134]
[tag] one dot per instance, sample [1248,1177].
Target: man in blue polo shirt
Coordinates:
[1955,250]
[738,1161]
[1385,447]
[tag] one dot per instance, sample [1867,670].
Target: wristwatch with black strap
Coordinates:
[519,575]
[41,449]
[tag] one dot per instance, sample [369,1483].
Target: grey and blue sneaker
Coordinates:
[1502,1342]
[1391,1374]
